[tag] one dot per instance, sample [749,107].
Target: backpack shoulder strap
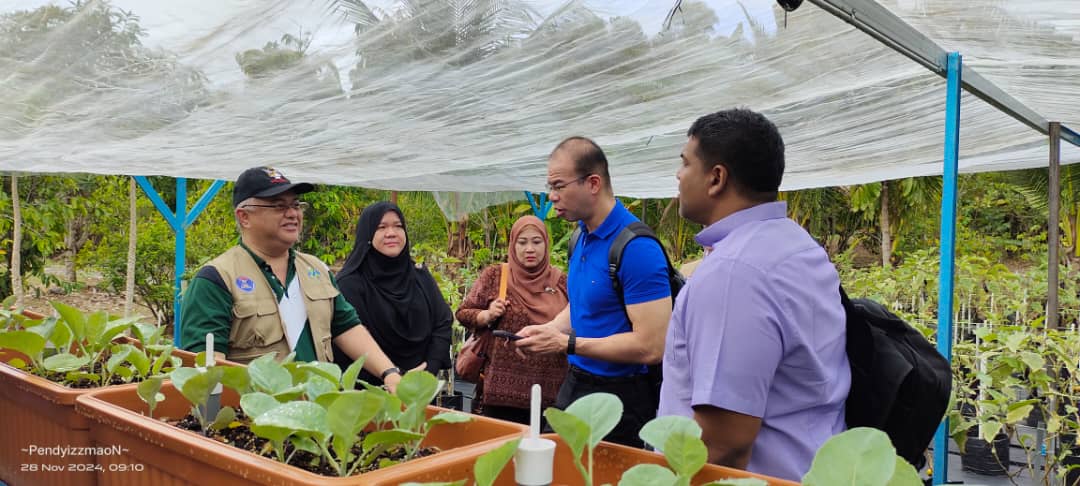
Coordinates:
[575,236]
[633,230]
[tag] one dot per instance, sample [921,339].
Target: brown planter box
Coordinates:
[154,452]
[611,461]
[35,412]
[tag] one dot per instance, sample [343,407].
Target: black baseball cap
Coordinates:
[265,182]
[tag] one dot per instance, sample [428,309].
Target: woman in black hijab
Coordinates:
[397,299]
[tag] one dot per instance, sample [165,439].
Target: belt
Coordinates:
[583,376]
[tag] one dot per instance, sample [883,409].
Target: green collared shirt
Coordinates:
[208,307]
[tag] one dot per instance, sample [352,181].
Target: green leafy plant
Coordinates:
[860,456]
[84,346]
[487,467]
[584,424]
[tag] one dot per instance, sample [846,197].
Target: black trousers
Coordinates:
[637,393]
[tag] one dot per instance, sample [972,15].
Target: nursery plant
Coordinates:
[311,415]
[83,352]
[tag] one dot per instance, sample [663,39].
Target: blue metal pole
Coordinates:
[181,252]
[540,209]
[159,203]
[948,248]
[203,202]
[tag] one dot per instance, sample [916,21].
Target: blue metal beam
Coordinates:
[159,203]
[179,219]
[540,209]
[203,202]
[948,248]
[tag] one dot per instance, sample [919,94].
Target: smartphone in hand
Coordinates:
[506,334]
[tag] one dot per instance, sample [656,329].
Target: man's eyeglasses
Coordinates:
[562,185]
[281,207]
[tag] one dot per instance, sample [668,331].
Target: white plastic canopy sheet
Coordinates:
[472,95]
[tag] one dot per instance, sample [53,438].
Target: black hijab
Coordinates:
[388,293]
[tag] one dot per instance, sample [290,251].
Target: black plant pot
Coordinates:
[455,401]
[979,456]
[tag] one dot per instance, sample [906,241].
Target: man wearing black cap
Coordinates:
[263,296]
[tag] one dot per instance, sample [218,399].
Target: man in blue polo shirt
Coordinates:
[756,349]
[609,341]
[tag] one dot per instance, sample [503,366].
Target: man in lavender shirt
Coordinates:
[755,350]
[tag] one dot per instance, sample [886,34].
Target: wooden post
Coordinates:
[16,244]
[129,294]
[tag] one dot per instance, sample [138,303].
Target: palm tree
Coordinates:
[1034,185]
[894,204]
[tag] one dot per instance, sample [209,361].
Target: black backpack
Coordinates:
[634,230]
[900,384]
[675,279]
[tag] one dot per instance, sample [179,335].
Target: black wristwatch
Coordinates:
[392,369]
[570,343]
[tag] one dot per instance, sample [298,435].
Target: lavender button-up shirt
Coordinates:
[759,330]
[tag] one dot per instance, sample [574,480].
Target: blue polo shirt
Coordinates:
[595,310]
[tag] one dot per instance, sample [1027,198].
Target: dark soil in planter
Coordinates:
[239,435]
[84,383]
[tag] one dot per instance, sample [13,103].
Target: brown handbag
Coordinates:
[475,352]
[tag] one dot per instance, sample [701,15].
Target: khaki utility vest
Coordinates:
[257,327]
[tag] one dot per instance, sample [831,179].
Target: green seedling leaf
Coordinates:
[294,417]
[17,363]
[111,329]
[200,359]
[148,334]
[95,328]
[601,411]
[448,418]
[269,376]
[648,475]
[61,335]
[348,415]
[236,378]
[161,360]
[573,430]
[990,430]
[904,475]
[65,362]
[417,387]
[306,444]
[387,438]
[327,399]
[348,378]
[1034,361]
[330,371]
[656,432]
[125,373]
[75,319]
[289,394]
[685,454]
[25,342]
[150,392]
[1018,413]
[413,417]
[491,463]
[857,456]
[739,482]
[196,387]
[225,416]
[257,403]
[75,376]
[118,357]
[317,385]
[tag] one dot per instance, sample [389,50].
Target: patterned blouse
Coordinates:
[508,378]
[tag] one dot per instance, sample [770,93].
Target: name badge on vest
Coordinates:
[245,284]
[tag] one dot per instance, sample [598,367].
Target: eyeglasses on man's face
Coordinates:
[559,186]
[281,207]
